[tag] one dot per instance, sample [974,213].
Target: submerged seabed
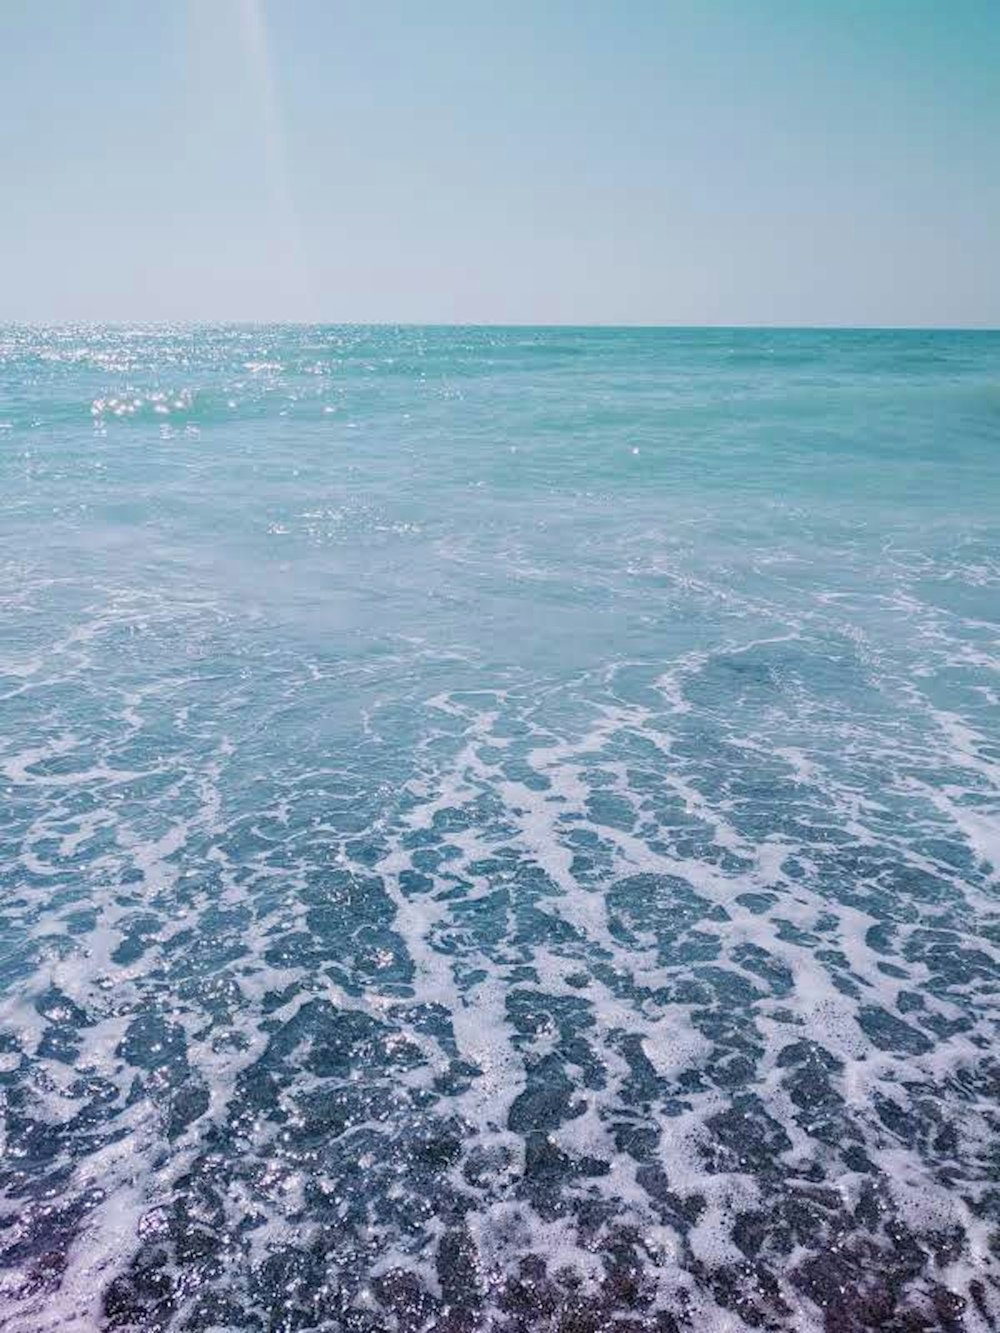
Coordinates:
[500,830]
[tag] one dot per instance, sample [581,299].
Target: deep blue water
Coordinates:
[500,830]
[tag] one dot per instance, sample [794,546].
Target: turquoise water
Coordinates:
[500,830]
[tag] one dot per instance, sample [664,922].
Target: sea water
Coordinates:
[499,829]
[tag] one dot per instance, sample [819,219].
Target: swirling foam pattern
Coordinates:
[500,830]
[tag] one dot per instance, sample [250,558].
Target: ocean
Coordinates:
[500,830]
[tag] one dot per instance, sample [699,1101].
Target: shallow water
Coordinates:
[500,830]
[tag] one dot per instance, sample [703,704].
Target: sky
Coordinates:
[761,162]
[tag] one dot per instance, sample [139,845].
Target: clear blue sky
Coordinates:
[549,161]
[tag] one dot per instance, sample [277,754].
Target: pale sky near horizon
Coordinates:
[458,161]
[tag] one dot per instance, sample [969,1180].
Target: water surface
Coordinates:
[500,830]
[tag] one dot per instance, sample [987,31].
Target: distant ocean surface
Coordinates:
[500,830]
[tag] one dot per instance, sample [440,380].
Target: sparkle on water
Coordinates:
[500,830]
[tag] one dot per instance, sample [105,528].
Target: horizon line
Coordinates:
[256,323]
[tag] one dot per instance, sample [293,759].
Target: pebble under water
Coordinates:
[500,830]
